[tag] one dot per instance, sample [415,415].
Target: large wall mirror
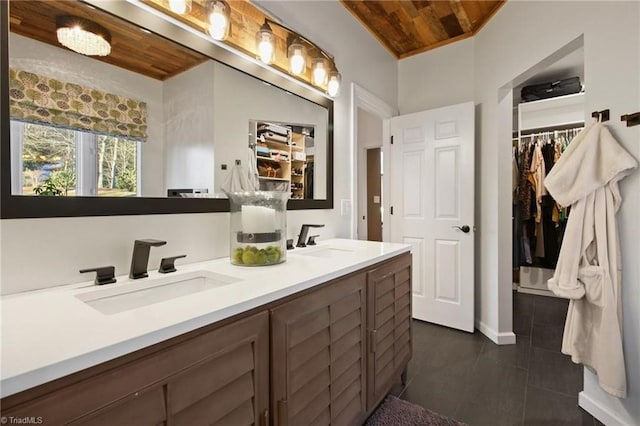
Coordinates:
[157,126]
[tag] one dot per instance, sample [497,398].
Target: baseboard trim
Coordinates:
[498,338]
[599,411]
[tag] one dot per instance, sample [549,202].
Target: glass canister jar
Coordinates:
[258,227]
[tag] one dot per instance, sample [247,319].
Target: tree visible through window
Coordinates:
[117,167]
[63,162]
[48,161]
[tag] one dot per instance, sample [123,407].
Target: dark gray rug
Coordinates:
[397,412]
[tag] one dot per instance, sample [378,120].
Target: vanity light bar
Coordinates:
[226,47]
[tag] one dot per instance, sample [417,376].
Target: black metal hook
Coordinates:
[631,119]
[601,116]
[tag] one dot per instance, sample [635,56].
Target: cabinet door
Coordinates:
[389,326]
[318,354]
[218,377]
[230,386]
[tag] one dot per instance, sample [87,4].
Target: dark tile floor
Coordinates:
[469,378]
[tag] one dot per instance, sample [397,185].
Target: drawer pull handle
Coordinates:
[373,341]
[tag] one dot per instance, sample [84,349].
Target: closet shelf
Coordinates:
[272,160]
[273,142]
[273,178]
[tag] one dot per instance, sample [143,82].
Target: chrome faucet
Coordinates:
[140,258]
[303,234]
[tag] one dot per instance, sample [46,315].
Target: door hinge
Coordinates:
[391,139]
[372,340]
[391,209]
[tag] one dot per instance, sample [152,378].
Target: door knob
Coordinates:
[463,228]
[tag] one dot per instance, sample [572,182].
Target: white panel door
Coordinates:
[432,197]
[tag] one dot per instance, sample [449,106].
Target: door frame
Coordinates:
[362,98]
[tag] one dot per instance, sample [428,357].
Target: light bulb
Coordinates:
[264,44]
[219,17]
[320,71]
[265,51]
[333,86]
[297,64]
[180,6]
[297,58]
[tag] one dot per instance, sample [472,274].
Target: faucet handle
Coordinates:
[104,274]
[167,264]
[312,240]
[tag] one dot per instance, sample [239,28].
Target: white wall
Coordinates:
[510,44]
[38,253]
[436,78]
[37,57]
[369,136]
[189,126]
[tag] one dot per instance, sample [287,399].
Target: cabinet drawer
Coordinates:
[139,409]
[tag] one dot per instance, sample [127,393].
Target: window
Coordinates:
[48,160]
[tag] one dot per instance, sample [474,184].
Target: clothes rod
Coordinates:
[568,126]
[552,132]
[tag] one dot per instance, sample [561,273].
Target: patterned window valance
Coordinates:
[44,100]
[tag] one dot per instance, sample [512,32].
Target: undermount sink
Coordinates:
[153,290]
[324,251]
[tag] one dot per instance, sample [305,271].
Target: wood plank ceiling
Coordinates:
[131,48]
[404,27]
[407,28]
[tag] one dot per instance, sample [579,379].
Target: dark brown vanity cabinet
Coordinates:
[327,355]
[389,326]
[216,377]
[318,353]
[337,351]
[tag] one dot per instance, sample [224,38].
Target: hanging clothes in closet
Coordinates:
[539,222]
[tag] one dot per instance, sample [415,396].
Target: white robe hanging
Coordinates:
[588,271]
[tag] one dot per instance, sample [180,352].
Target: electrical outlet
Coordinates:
[345,207]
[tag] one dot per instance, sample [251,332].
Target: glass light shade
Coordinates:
[180,7]
[83,36]
[219,19]
[265,44]
[333,86]
[320,69]
[297,58]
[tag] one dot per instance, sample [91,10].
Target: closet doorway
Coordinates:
[546,118]
[567,61]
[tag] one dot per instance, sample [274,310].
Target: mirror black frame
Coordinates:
[20,206]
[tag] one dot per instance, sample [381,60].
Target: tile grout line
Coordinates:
[526,381]
[553,391]
[473,369]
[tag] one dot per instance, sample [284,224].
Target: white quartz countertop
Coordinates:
[51,333]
